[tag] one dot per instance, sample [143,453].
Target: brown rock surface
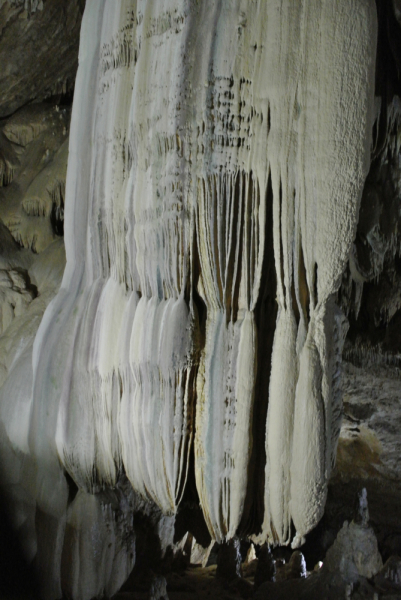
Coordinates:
[38,50]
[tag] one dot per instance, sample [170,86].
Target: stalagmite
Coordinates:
[189,120]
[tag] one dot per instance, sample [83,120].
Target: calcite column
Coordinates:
[185,115]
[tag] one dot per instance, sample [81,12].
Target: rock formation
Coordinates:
[217,157]
[38,50]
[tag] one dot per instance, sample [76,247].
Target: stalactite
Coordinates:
[230,223]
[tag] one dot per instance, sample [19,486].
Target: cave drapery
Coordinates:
[211,143]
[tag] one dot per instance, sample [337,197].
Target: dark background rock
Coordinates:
[229,560]
[38,50]
[17,578]
[266,567]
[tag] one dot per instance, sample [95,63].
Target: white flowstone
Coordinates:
[166,192]
[185,115]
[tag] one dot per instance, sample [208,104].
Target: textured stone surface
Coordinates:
[38,50]
[35,141]
[354,553]
[368,452]
[168,191]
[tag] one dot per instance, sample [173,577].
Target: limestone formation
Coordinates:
[175,186]
[347,572]
[211,144]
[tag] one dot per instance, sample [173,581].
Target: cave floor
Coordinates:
[196,583]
